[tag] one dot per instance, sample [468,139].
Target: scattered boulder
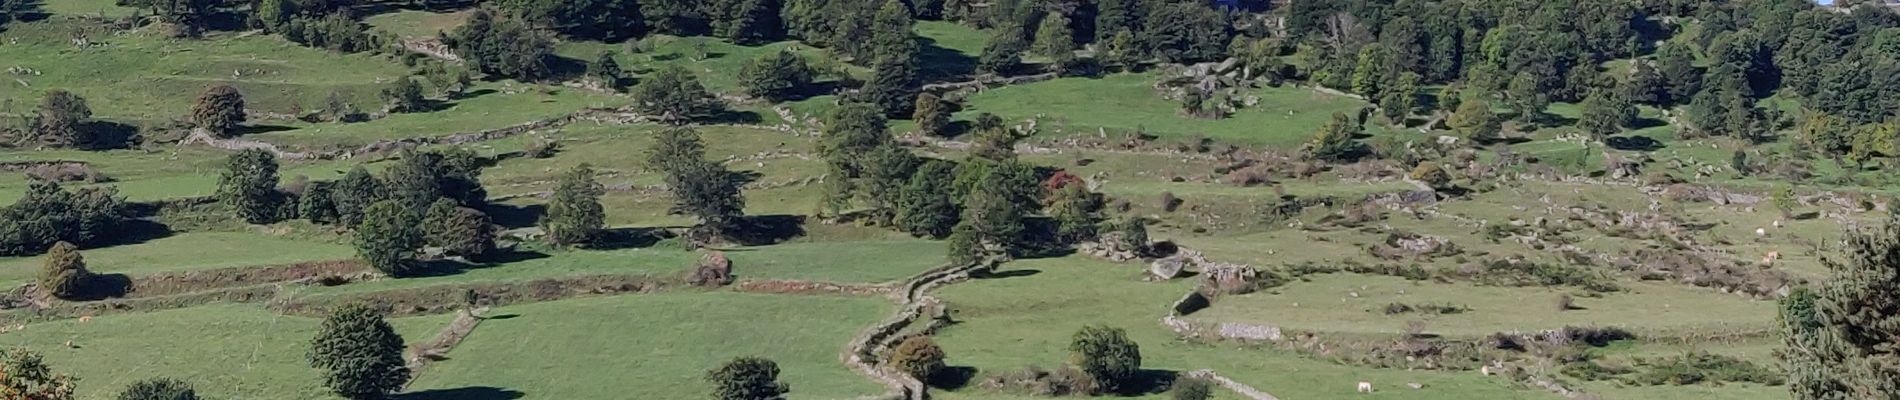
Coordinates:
[714,270]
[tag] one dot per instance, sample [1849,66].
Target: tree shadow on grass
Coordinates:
[1148,381]
[952,377]
[760,230]
[133,231]
[1633,143]
[512,216]
[1010,273]
[630,238]
[259,129]
[943,64]
[462,393]
[104,286]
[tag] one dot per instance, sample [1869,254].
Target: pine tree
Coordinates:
[354,193]
[59,120]
[1002,52]
[1336,141]
[1645,85]
[1055,38]
[1370,76]
[63,273]
[1682,79]
[750,22]
[886,170]
[894,69]
[219,110]
[1839,337]
[248,186]
[607,72]
[359,353]
[776,76]
[674,95]
[388,238]
[932,115]
[1115,17]
[1186,32]
[318,203]
[852,132]
[457,230]
[928,206]
[575,215]
[996,206]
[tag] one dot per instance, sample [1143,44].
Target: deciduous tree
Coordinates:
[674,95]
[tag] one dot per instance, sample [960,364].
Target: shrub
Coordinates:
[1698,367]
[159,389]
[1105,354]
[64,272]
[219,110]
[918,356]
[1040,382]
[1565,303]
[66,172]
[1192,389]
[747,378]
[388,237]
[24,375]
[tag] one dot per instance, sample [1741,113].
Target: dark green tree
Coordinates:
[932,115]
[1002,52]
[1475,121]
[607,72]
[747,378]
[504,47]
[1114,17]
[1074,208]
[1527,98]
[388,238]
[776,76]
[702,188]
[359,353]
[354,193]
[1645,85]
[750,22]
[674,95]
[159,389]
[1185,32]
[318,203]
[1839,336]
[676,17]
[917,356]
[404,96]
[248,186]
[852,132]
[996,206]
[1606,112]
[63,273]
[893,84]
[219,110]
[1681,78]
[574,215]
[457,230]
[60,120]
[928,206]
[1106,354]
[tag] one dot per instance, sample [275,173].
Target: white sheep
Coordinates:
[1365,387]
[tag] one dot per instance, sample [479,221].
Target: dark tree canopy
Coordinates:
[776,76]
[389,238]
[505,47]
[1186,32]
[702,188]
[674,94]
[1106,354]
[359,353]
[457,230]
[47,214]
[60,120]
[1839,336]
[249,186]
[159,389]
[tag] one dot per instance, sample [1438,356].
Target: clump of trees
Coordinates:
[1838,335]
[63,119]
[747,378]
[47,214]
[359,353]
[702,188]
[248,186]
[776,76]
[502,46]
[674,95]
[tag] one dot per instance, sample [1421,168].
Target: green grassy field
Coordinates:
[185,252]
[1008,323]
[1120,103]
[658,346]
[224,351]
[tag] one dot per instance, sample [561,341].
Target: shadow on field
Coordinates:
[943,64]
[1010,273]
[511,216]
[1148,381]
[952,377]
[104,286]
[760,230]
[629,238]
[133,231]
[257,129]
[1633,143]
[463,393]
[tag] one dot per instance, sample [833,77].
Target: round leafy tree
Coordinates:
[219,110]
[747,378]
[1105,354]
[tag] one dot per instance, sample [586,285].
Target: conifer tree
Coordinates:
[574,215]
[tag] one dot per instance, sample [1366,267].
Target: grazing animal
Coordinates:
[85,318]
[1484,370]
[1365,387]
